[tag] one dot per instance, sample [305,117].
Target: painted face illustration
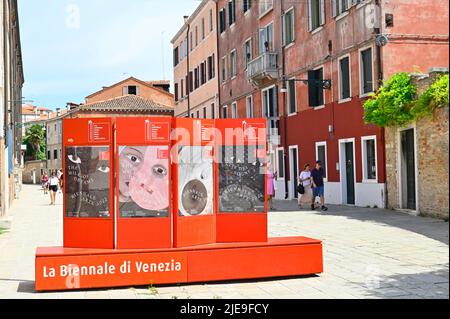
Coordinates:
[144,177]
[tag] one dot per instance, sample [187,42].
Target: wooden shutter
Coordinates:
[312,89]
[176,92]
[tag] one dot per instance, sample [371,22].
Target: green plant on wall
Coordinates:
[392,104]
[437,95]
[395,103]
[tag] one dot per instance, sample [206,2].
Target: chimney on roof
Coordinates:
[185,18]
[58,111]
[71,106]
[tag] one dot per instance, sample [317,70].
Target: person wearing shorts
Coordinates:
[54,183]
[317,176]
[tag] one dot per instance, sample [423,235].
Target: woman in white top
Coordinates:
[54,183]
[306,181]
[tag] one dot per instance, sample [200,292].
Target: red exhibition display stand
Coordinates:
[241,186]
[157,200]
[193,191]
[88,183]
[143,177]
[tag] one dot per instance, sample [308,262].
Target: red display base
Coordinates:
[59,269]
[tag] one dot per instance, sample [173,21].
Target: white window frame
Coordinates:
[265,34]
[249,40]
[211,19]
[290,10]
[289,98]
[361,78]
[322,17]
[234,110]
[342,100]
[318,144]
[235,13]
[365,180]
[266,89]
[247,99]
[338,12]
[233,64]
[266,9]
[224,67]
[224,110]
[278,163]
[248,10]
[324,96]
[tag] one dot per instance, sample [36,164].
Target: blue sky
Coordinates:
[72,48]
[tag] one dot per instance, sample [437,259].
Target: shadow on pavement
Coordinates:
[432,228]
[428,285]
[26,287]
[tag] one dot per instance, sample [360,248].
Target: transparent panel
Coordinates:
[143,181]
[241,179]
[195,181]
[87,178]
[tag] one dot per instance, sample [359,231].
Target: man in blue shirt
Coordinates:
[317,175]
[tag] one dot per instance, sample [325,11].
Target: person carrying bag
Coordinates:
[304,187]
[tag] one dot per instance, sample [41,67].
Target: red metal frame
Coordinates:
[192,230]
[88,232]
[241,227]
[143,233]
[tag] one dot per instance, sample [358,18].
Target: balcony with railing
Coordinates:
[264,69]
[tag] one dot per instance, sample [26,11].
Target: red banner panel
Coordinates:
[193,188]
[241,197]
[143,183]
[88,183]
[74,269]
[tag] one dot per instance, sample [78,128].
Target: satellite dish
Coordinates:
[381,40]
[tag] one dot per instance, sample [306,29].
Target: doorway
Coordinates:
[408,169]
[293,155]
[347,167]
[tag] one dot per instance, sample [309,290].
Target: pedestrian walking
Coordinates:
[44,182]
[317,175]
[54,183]
[306,181]
[271,177]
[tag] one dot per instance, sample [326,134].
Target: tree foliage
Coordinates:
[392,104]
[36,143]
[437,95]
[395,103]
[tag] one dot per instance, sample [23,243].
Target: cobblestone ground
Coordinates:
[368,253]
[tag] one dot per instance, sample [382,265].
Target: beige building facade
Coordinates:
[195,49]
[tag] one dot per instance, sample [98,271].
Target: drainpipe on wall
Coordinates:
[188,70]
[380,78]
[218,101]
[286,148]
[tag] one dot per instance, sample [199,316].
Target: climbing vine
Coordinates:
[395,103]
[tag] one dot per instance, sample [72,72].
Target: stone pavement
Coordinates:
[368,253]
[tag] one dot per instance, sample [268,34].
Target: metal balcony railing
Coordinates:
[264,66]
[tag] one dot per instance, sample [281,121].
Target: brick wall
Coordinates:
[432,142]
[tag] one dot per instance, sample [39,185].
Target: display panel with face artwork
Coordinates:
[143,181]
[87,182]
[241,179]
[195,181]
